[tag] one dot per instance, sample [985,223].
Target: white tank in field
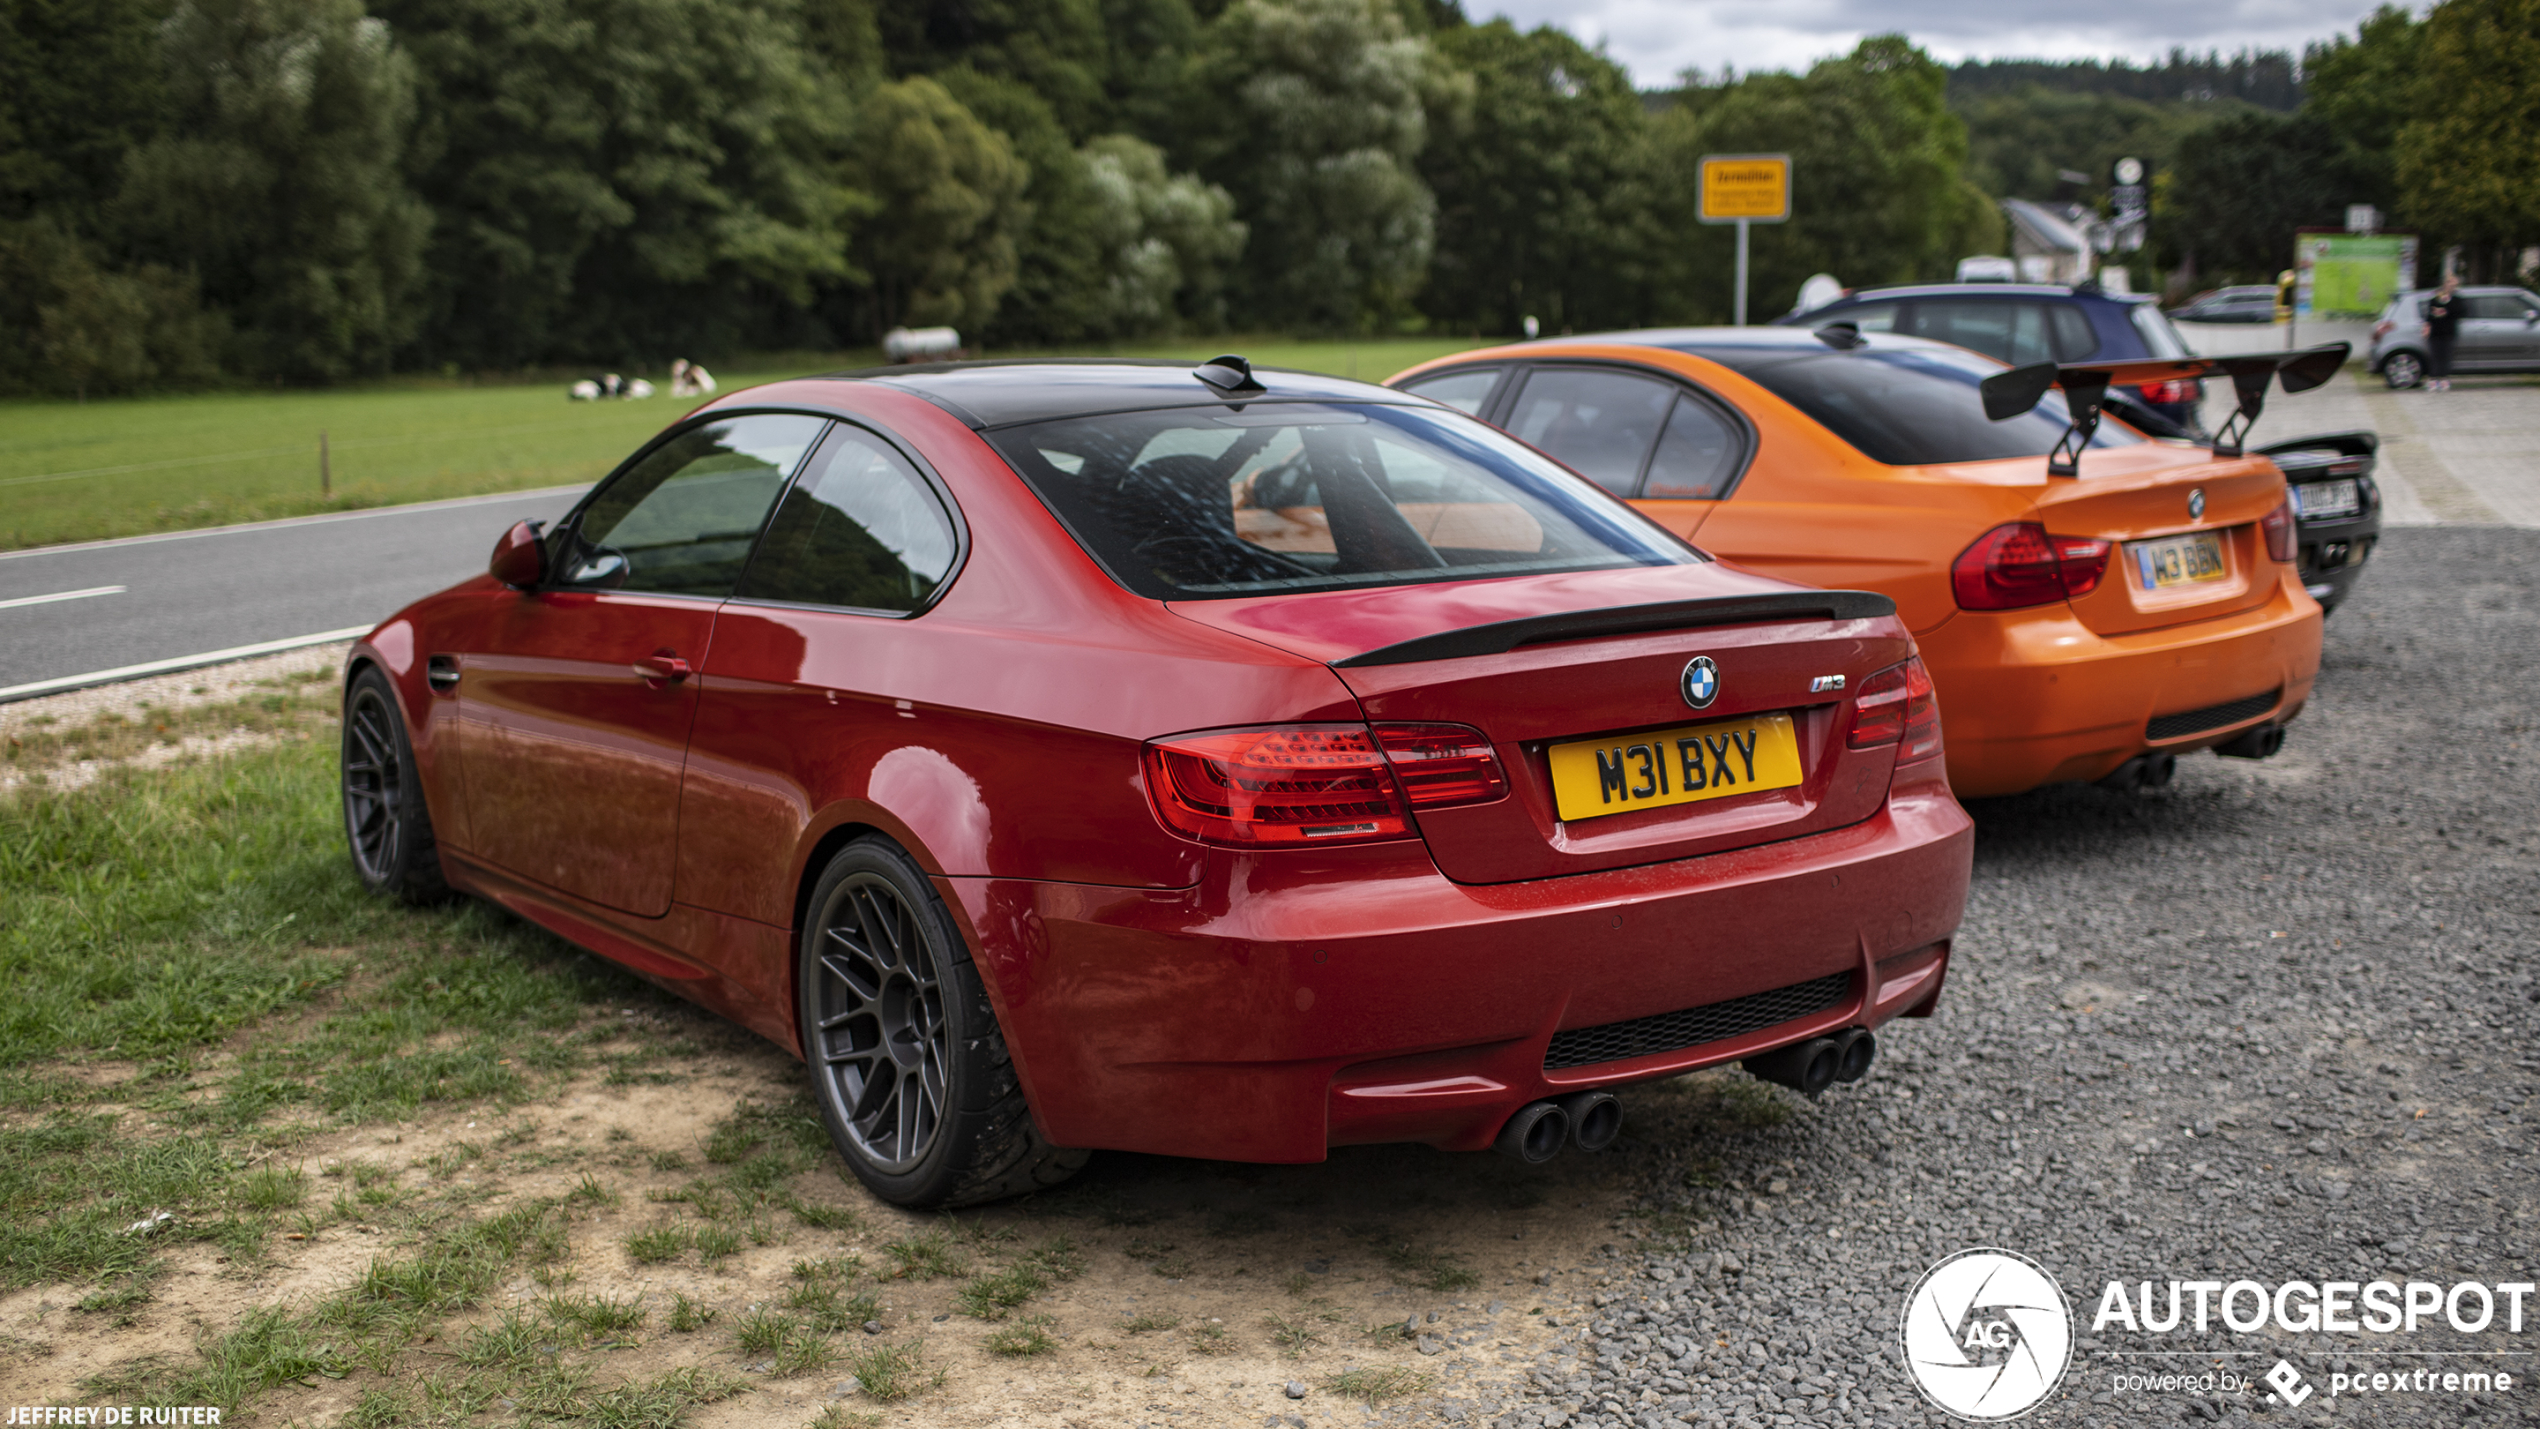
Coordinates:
[921,344]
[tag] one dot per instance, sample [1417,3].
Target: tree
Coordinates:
[2364,89]
[1171,241]
[2468,158]
[948,196]
[79,87]
[617,180]
[2239,188]
[1540,183]
[1879,192]
[279,183]
[1312,113]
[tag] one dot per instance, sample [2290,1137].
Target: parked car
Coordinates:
[2076,628]
[2033,322]
[1111,755]
[2336,508]
[2500,332]
[2248,303]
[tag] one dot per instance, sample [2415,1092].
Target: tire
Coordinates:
[385,822]
[2402,370]
[907,1063]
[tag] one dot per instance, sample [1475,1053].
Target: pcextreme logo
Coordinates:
[1987,1334]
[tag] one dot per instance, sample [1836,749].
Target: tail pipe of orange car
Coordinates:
[1812,1066]
[1539,1131]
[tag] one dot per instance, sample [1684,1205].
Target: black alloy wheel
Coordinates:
[908,1066]
[884,1041]
[385,821]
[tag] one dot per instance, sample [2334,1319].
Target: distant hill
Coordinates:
[2267,79]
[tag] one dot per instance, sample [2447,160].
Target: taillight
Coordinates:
[2020,565]
[1442,766]
[2179,390]
[1288,785]
[2278,526]
[2380,330]
[1897,706]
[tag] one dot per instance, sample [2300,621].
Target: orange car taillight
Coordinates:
[2017,564]
[1288,785]
[2277,525]
[1897,706]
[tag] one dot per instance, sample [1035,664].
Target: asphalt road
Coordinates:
[70,612]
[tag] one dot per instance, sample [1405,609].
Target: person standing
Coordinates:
[2442,326]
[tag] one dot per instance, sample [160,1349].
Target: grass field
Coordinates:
[89,471]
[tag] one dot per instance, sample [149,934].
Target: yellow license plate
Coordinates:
[2179,560]
[1595,777]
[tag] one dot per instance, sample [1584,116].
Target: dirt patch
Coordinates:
[1203,1289]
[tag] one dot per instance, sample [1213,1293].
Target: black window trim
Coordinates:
[572,519]
[925,472]
[1504,397]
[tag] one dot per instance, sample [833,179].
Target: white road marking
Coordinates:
[322,518]
[60,595]
[175,663]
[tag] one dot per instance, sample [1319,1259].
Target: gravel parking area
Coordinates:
[2272,1023]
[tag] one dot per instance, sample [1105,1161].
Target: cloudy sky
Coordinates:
[1657,39]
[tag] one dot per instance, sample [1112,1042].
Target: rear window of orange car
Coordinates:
[1203,503]
[1913,406]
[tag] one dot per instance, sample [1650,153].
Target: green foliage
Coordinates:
[280,181]
[2468,159]
[1878,192]
[2242,184]
[2364,89]
[1541,184]
[624,179]
[949,192]
[1312,113]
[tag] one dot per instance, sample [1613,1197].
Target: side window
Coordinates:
[1465,391]
[1697,455]
[2501,306]
[1868,317]
[2070,328]
[1599,424]
[860,528]
[681,521]
[1988,326]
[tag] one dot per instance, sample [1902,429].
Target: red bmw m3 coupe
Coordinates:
[1076,755]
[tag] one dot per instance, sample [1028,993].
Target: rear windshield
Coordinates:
[1206,503]
[1907,406]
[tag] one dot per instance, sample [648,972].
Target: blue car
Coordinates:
[2021,323]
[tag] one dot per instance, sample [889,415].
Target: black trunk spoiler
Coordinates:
[2086,384]
[1501,636]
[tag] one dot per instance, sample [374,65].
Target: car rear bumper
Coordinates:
[2333,554]
[1280,1008]
[2035,697]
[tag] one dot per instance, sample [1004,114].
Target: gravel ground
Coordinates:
[2274,1022]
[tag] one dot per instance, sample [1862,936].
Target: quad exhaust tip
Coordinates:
[2260,743]
[2143,771]
[1591,1121]
[1812,1066]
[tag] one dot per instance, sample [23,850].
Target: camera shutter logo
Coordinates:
[1987,1334]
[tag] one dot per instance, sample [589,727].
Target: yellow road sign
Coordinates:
[1745,188]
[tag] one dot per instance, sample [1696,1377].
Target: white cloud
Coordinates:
[1658,39]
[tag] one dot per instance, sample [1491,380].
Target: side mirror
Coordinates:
[519,561]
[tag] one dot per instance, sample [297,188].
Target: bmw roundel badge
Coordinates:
[1701,682]
[2196,504]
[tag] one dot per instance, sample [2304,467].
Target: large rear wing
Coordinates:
[2086,384]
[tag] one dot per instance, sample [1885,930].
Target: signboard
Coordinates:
[2351,274]
[1744,188]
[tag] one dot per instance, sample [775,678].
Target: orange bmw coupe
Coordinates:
[2091,603]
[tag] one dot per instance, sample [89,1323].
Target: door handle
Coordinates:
[663,667]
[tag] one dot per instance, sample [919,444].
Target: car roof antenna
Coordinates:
[1230,374]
